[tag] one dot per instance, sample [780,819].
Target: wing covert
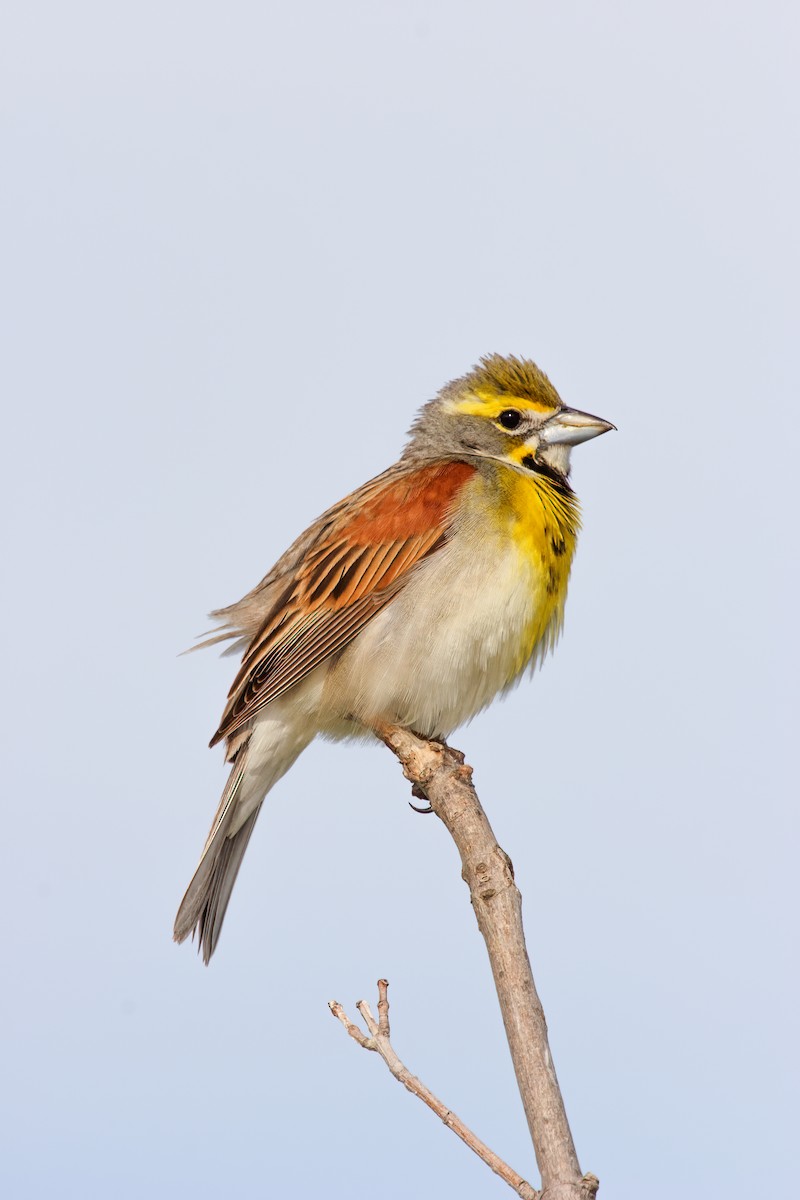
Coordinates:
[359,562]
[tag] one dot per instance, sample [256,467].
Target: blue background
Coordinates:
[241,244]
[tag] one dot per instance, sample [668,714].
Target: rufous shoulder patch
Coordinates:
[413,504]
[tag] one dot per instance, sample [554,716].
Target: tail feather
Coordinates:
[220,885]
[259,757]
[202,909]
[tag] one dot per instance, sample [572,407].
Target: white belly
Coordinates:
[457,634]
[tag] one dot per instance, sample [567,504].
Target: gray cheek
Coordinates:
[479,436]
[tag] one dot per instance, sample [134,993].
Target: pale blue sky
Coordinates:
[241,244]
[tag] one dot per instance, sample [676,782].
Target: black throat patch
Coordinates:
[557,478]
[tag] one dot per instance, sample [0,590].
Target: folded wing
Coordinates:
[361,558]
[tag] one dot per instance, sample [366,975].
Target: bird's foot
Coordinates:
[417,792]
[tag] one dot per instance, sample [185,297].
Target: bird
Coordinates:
[414,601]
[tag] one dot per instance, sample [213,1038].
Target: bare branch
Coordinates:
[383,1007]
[439,773]
[349,1025]
[369,1020]
[380,1042]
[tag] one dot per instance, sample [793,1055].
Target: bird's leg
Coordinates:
[416,790]
[383,731]
[433,741]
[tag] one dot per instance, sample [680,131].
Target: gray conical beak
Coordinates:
[570,426]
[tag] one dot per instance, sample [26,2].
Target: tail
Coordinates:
[202,909]
[259,762]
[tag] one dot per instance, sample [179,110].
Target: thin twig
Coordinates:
[439,772]
[379,1040]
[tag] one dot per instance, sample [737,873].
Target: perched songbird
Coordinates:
[413,601]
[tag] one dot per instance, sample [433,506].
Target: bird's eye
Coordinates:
[509,418]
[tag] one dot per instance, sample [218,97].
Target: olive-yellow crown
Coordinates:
[505,377]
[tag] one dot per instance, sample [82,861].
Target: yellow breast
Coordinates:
[541,518]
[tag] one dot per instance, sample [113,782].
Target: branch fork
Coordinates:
[380,1040]
[439,773]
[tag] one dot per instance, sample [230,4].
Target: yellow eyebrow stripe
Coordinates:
[489,404]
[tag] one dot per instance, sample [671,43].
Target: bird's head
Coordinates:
[508,410]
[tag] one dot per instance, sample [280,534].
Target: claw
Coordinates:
[420,795]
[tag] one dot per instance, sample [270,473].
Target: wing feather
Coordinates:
[362,557]
[377,566]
